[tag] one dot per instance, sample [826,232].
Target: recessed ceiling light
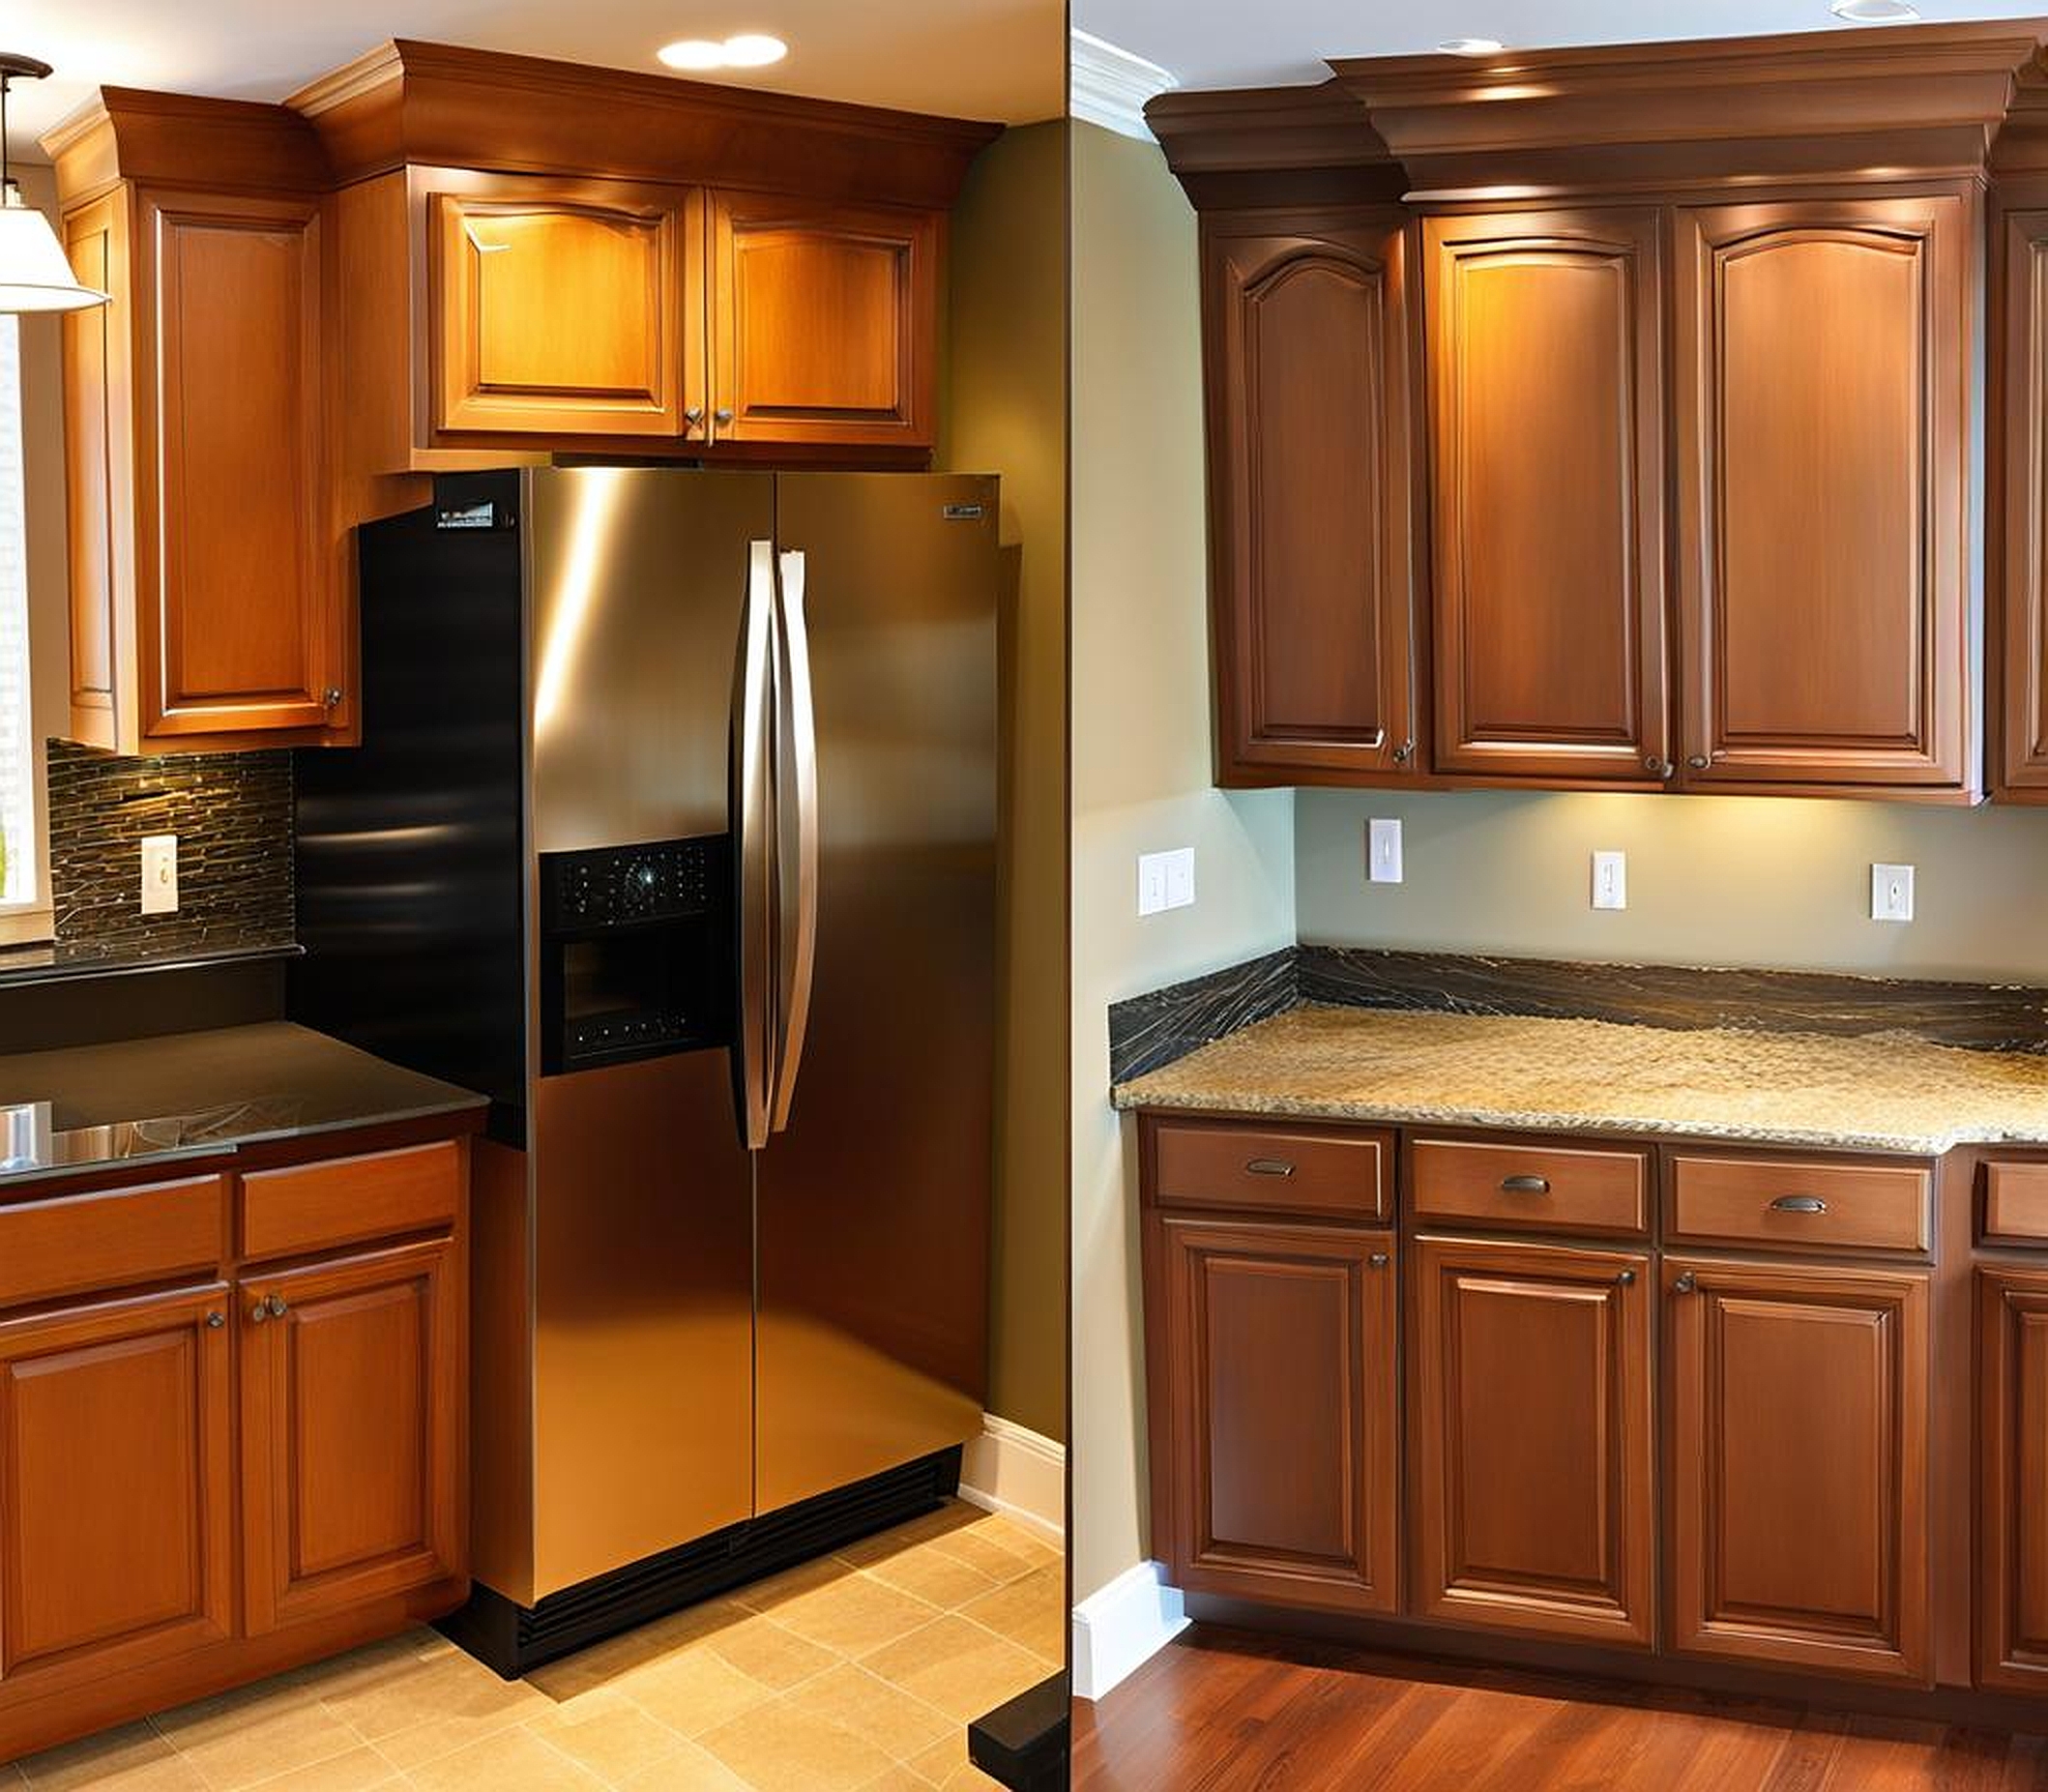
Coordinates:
[1874,11]
[750,50]
[1470,47]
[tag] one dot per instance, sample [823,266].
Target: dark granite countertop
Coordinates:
[62,961]
[197,1095]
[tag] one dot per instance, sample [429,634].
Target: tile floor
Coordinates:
[858,1673]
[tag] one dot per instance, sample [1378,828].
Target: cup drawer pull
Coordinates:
[1525,1185]
[1799,1204]
[1269,1167]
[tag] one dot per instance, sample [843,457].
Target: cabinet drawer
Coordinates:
[2016,1202]
[1542,1188]
[113,1239]
[1294,1170]
[1798,1203]
[312,1206]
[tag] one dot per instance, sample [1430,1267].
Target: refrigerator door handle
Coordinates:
[754,848]
[796,832]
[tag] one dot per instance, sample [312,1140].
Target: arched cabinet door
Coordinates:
[1307,317]
[1822,453]
[1547,531]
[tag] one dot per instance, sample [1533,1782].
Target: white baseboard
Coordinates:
[1121,1626]
[1018,1474]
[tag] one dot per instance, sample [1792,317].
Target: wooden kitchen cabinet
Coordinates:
[2012,1444]
[1273,1399]
[823,321]
[206,607]
[117,1549]
[354,1447]
[1547,455]
[2019,457]
[1797,1471]
[563,308]
[1530,1432]
[1822,413]
[1308,318]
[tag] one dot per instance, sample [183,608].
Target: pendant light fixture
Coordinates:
[34,274]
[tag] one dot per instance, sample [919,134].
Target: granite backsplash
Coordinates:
[232,813]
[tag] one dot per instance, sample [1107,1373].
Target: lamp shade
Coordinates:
[34,274]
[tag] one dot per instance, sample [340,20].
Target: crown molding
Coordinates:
[1259,146]
[1111,87]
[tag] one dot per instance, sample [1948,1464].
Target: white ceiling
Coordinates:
[1277,42]
[991,59]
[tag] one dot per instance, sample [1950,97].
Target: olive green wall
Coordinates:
[1141,766]
[1006,413]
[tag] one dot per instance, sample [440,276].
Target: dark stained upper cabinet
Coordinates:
[1307,320]
[1546,431]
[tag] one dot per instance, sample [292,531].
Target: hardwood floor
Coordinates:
[1221,1710]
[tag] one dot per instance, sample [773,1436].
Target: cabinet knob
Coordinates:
[1697,761]
[333,696]
[1657,767]
[1379,1259]
[259,1314]
[1627,1279]
[1686,1283]
[722,416]
[277,1306]
[215,1321]
[1404,753]
[693,416]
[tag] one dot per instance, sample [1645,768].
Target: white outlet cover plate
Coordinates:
[1892,893]
[1383,851]
[1610,880]
[1166,880]
[159,874]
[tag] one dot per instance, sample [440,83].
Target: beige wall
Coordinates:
[1711,880]
[1141,766]
[1006,413]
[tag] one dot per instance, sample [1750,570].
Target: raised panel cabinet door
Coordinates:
[565,308]
[354,1445]
[240,617]
[2012,1443]
[2019,687]
[1530,1430]
[1310,369]
[824,322]
[1823,410]
[1547,538]
[117,1498]
[1798,1476]
[1275,1356]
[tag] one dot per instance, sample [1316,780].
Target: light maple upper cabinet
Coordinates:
[564,309]
[1530,1436]
[1307,321]
[1821,400]
[206,609]
[1797,1465]
[1546,460]
[823,322]
[1273,1397]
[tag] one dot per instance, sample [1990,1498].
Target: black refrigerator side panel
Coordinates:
[410,857]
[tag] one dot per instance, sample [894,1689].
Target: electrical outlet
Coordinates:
[1166,880]
[1610,880]
[1892,893]
[1383,851]
[159,874]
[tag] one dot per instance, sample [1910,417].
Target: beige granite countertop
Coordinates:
[1881,1092]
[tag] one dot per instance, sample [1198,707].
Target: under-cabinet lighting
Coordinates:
[747,50]
[1471,46]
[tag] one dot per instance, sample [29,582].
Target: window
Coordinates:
[24,894]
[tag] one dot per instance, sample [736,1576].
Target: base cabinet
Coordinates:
[2013,1373]
[1275,1361]
[1799,1490]
[117,1491]
[1529,1429]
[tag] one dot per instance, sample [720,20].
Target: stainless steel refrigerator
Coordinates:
[674,831]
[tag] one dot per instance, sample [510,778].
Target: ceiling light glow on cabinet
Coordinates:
[749,49]
[34,274]
[1874,11]
[1471,46]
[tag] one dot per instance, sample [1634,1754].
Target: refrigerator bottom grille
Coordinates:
[514,1639]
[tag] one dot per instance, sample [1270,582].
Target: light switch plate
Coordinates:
[1892,893]
[1610,880]
[1166,880]
[159,874]
[1383,851]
